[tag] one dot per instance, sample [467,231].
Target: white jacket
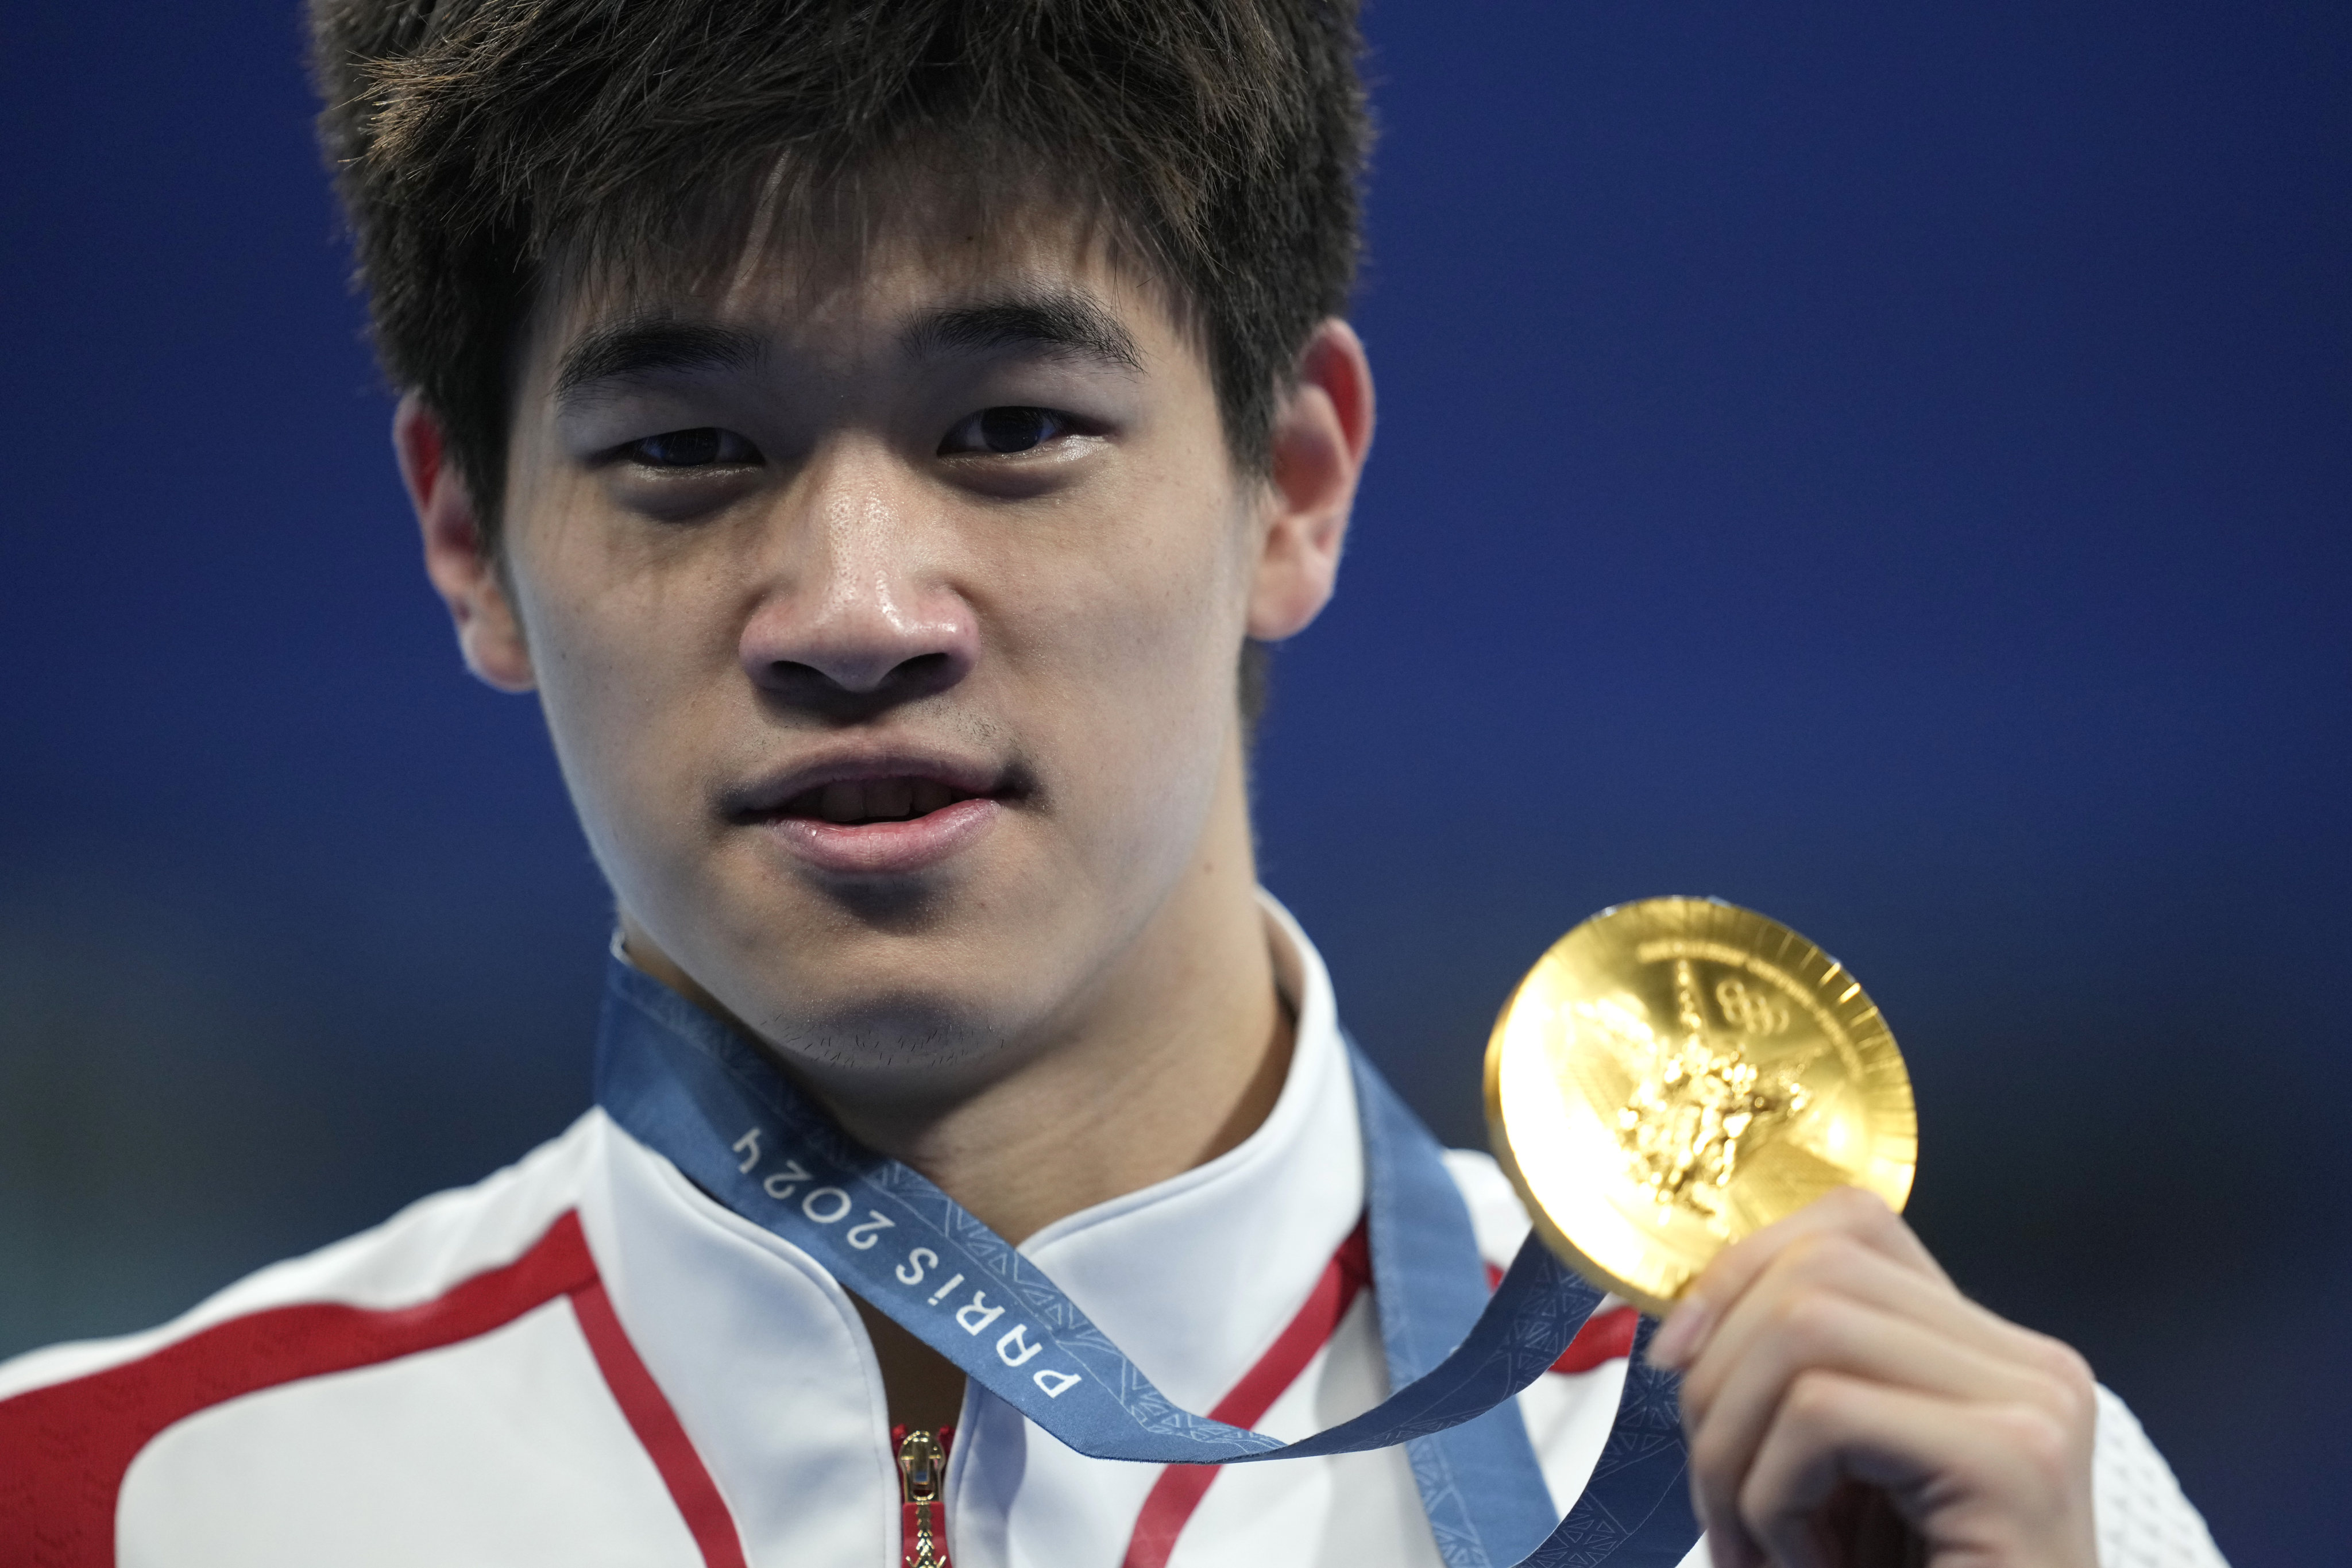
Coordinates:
[582,1360]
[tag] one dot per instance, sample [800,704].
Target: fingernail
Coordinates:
[1679,1336]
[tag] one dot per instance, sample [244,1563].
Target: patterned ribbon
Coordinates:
[712,1101]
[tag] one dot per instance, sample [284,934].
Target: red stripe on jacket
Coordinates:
[1169,1506]
[70,1443]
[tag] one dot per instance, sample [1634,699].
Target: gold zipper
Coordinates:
[921,1462]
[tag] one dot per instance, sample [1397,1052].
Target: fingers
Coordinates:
[1828,1356]
[1846,1211]
[1827,1299]
[2000,1483]
[1822,1332]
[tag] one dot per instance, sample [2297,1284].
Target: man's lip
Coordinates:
[888,848]
[770,795]
[785,806]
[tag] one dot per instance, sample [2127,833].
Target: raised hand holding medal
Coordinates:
[1706,1115]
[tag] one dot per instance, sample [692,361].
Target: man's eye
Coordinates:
[705,447]
[1007,429]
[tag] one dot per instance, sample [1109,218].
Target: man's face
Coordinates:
[886,618]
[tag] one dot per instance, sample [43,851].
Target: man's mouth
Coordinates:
[853,802]
[879,816]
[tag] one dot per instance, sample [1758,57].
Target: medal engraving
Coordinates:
[1677,1073]
[1700,1101]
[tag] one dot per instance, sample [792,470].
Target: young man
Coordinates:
[883,436]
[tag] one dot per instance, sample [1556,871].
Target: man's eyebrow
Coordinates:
[1059,324]
[633,350]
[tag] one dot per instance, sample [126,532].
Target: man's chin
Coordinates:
[900,1046]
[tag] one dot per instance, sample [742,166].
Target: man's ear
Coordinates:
[457,556]
[1321,434]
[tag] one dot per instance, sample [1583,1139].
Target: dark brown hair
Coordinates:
[475,142]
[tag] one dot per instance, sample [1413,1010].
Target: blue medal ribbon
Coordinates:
[712,1101]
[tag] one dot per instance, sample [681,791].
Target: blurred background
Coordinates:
[1887,465]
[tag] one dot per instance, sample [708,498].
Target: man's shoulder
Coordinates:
[453,1385]
[419,1255]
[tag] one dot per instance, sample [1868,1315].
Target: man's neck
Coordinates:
[1176,1055]
[1083,1126]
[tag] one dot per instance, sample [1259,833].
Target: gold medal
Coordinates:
[1677,1073]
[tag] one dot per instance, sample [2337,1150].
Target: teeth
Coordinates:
[843,802]
[849,801]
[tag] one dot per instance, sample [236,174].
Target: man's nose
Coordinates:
[865,614]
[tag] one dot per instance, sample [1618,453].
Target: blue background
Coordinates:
[1887,465]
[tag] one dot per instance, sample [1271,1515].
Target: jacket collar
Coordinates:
[769,1368]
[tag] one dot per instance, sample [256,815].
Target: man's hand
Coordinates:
[1847,1407]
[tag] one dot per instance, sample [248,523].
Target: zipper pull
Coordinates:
[919,1458]
[922,1464]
